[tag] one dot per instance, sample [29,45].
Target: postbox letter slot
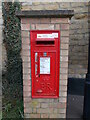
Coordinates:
[44,42]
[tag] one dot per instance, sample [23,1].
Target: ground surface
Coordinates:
[75,98]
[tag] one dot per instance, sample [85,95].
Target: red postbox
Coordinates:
[45,61]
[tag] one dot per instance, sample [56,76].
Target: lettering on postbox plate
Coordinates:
[53,35]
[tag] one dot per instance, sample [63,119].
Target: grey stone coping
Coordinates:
[46,13]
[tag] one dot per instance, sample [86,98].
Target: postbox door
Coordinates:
[45,73]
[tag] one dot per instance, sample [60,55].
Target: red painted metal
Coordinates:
[45,82]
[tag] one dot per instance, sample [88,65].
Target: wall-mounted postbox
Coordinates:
[45,59]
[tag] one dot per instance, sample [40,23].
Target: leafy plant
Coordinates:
[8,107]
[12,39]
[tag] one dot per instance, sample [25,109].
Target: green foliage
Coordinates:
[12,40]
[13,111]
[7,107]
[12,83]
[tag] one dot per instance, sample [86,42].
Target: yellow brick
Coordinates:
[27,110]
[26,71]
[63,82]
[62,94]
[25,47]
[26,41]
[26,88]
[27,99]
[27,76]
[27,82]
[64,58]
[54,6]
[25,53]
[57,115]
[44,105]
[25,26]
[63,76]
[59,20]
[26,64]
[44,115]
[34,115]
[63,88]
[64,40]
[64,27]
[36,3]
[36,7]
[57,26]
[44,26]
[62,111]
[64,33]
[64,52]
[25,34]
[46,110]
[62,99]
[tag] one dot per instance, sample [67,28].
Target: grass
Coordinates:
[13,112]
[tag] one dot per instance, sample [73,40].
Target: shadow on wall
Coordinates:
[76,86]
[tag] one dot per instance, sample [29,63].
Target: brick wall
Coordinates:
[78,50]
[45,108]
